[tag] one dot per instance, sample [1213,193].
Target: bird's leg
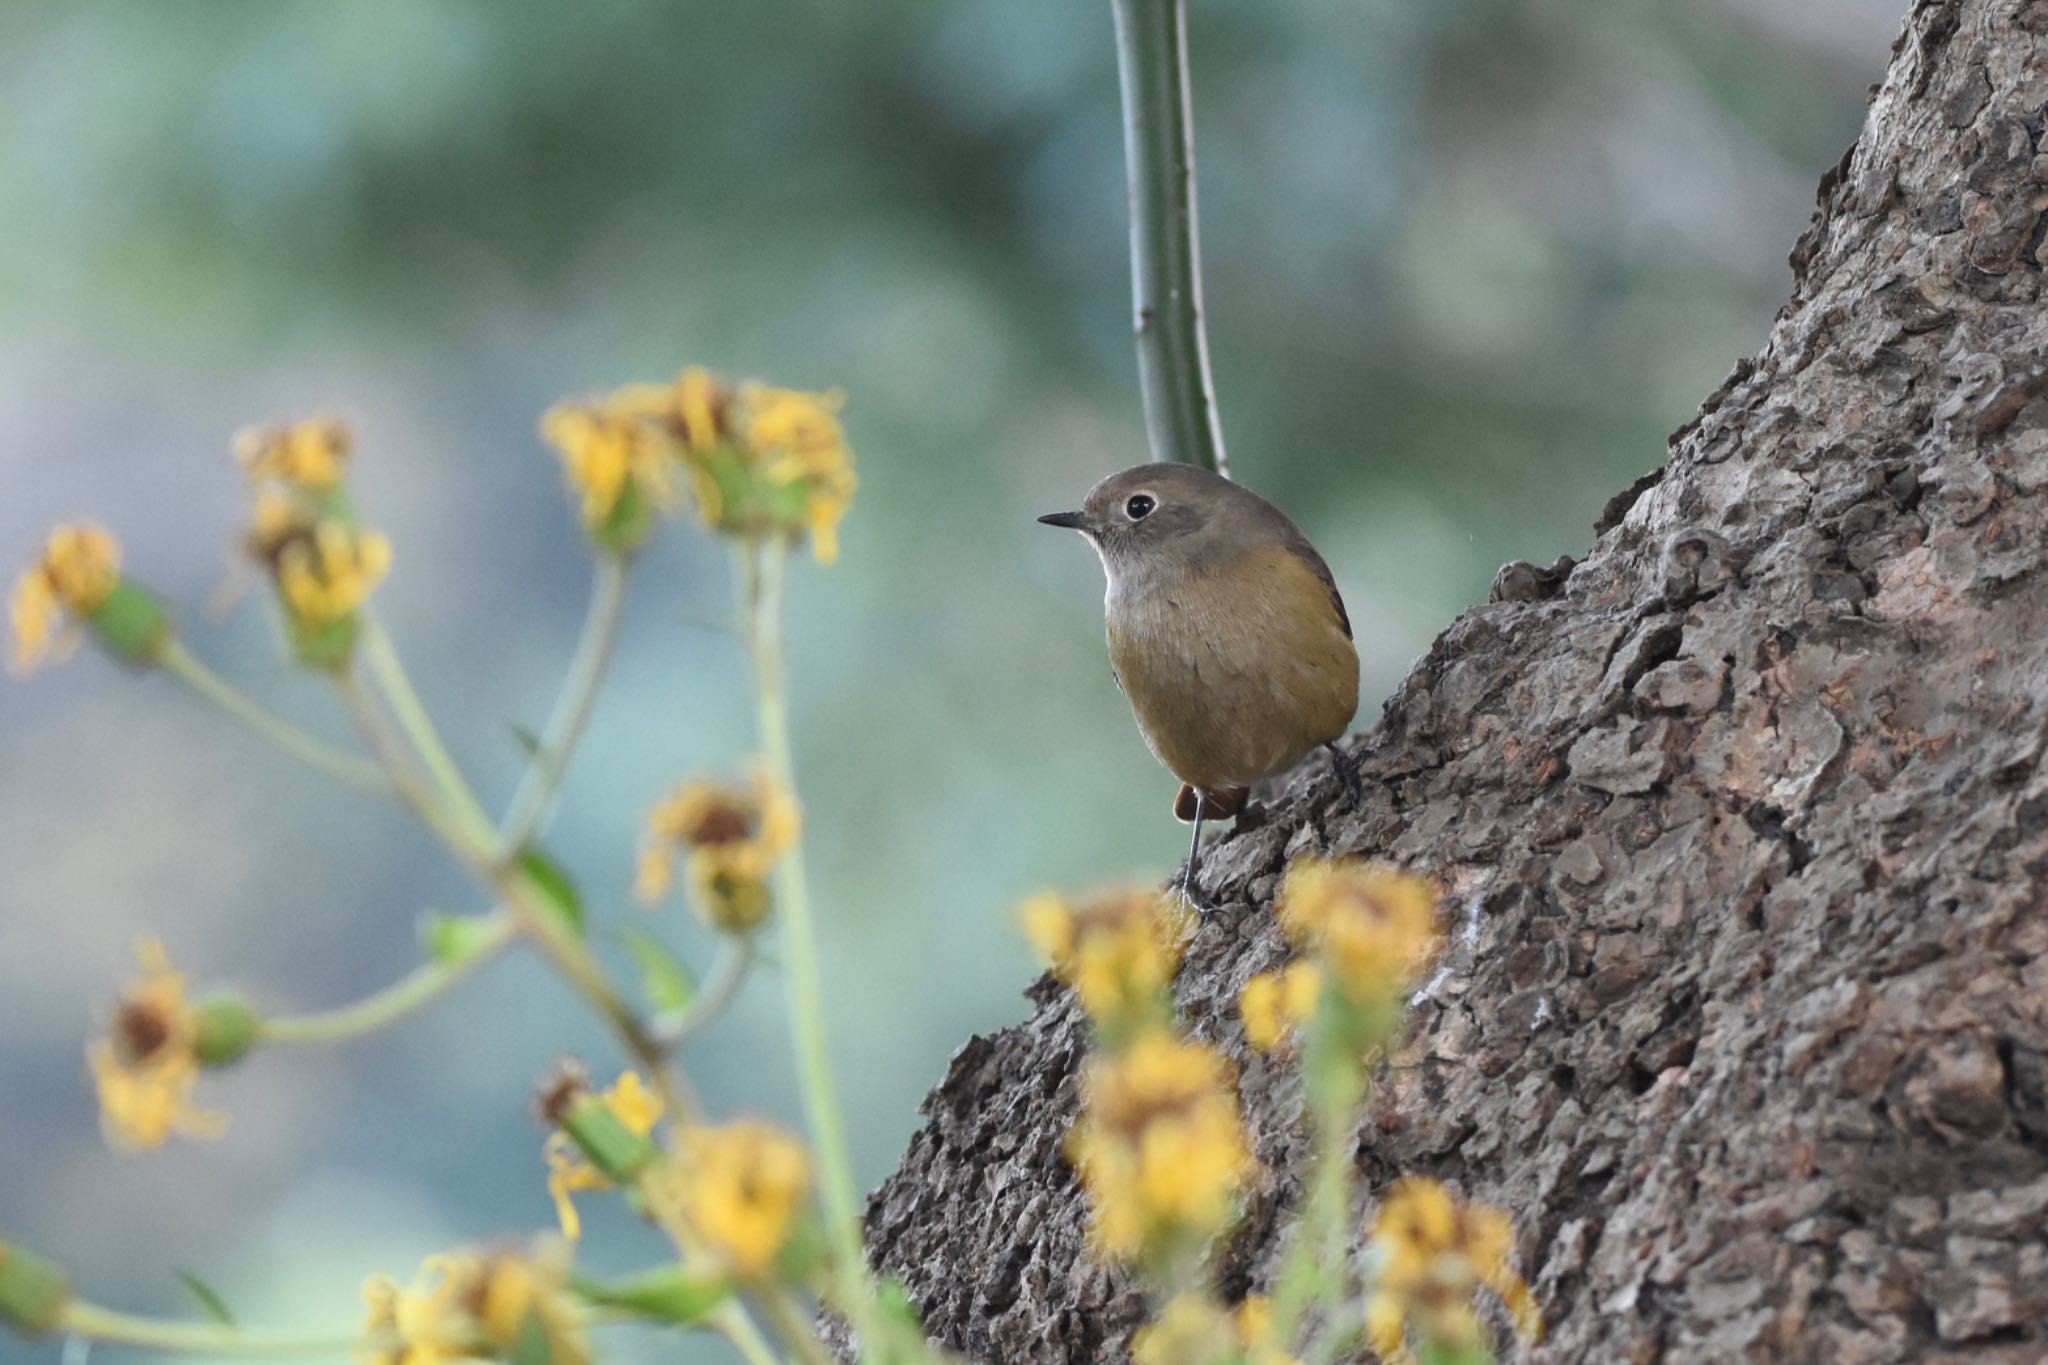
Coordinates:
[1347,774]
[1187,881]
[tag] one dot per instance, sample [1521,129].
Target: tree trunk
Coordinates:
[1741,821]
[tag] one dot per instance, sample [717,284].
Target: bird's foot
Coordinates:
[1346,772]
[1195,898]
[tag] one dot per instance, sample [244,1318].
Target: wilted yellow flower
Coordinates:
[1193,1330]
[620,453]
[1118,950]
[1274,1005]
[1159,1146]
[741,1187]
[147,1067]
[1434,1255]
[1253,1322]
[77,571]
[310,455]
[1373,926]
[732,838]
[799,442]
[464,1307]
[1190,1330]
[325,567]
[637,1108]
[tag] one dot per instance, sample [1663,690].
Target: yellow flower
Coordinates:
[1159,1147]
[325,567]
[636,1107]
[1372,925]
[311,455]
[1190,1330]
[1275,1005]
[1434,1256]
[797,439]
[147,1067]
[1193,1330]
[622,445]
[1253,1322]
[463,1307]
[1118,950]
[733,838]
[741,1187]
[79,568]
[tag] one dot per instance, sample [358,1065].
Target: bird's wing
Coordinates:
[1298,545]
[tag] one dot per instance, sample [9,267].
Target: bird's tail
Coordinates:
[1216,805]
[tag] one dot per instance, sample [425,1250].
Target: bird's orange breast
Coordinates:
[1237,670]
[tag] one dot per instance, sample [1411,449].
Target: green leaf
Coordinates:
[665,979]
[554,885]
[453,939]
[210,1303]
[669,1293]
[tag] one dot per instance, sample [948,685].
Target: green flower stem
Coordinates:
[528,812]
[528,904]
[733,1323]
[185,666]
[1316,1268]
[793,1325]
[1166,266]
[720,990]
[431,806]
[404,700]
[422,987]
[761,567]
[94,1323]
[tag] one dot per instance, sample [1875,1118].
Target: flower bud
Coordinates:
[228,1027]
[33,1291]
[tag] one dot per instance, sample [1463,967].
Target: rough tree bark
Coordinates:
[1742,821]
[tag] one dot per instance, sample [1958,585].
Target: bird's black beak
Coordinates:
[1073,521]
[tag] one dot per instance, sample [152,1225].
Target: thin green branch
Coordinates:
[351,769]
[528,812]
[1166,262]
[420,988]
[793,1326]
[761,569]
[395,685]
[425,802]
[94,1323]
[720,990]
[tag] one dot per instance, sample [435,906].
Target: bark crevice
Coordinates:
[1742,824]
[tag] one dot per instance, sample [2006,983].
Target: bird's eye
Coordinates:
[1140,506]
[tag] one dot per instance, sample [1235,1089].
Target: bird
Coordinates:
[1226,633]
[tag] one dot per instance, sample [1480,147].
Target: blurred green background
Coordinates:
[1468,262]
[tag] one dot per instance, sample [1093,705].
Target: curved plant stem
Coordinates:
[186,667]
[1166,264]
[532,913]
[95,1323]
[422,987]
[793,1326]
[761,568]
[720,990]
[426,803]
[733,1323]
[528,812]
[395,684]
